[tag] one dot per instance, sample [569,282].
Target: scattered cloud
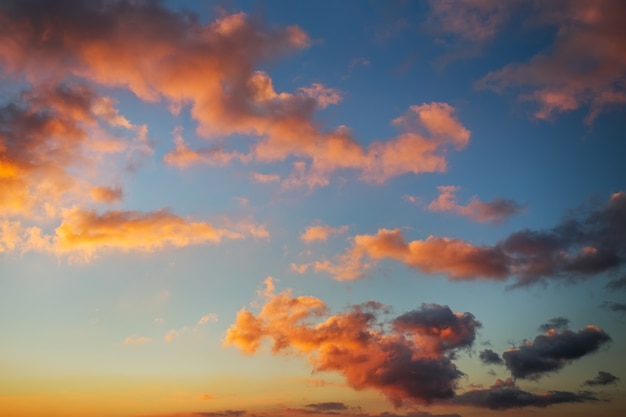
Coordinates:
[603,378]
[494,211]
[410,362]
[107,194]
[326,407]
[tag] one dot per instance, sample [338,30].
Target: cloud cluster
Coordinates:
[494,211]
[412,361]
[581,246]
[160,54]
[504,395]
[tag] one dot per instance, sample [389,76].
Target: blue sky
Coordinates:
[283,208]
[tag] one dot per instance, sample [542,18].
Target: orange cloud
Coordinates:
[410,362]
[107,194]
[494,211]
[455,258]
[211,68]
[85,232]
[321,232]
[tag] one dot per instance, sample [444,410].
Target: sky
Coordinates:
[280,208]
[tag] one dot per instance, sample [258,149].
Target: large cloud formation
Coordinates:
[410,362]
[211,67]
[581,246]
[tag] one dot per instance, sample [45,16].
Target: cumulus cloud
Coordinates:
[490,357]
[410,361]
[585,65]
[321,232]
[583,245]
[603,378]
[550,352]
[107,194]
[494,211]
[504,395]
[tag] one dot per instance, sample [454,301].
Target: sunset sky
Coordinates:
[286,208]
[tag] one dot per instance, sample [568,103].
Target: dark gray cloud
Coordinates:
[616,307]
[603,378]
[552,351]
[326,407]
[490,357]
[617,284]
[452,330]
[556,323]
[583,245]
[225,413]
[505,395]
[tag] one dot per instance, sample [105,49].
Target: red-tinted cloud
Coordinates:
[410,362]
[162,55]
[581,246]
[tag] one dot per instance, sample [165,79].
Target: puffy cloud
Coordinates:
[324,96]
[583,245]
[490,357]
[504,395]
[494,211]
[137,340]
[585,66]
[409,362]
[603,378]
[552,351]
[321,232]
[48,140]
[456,258]
[85,231]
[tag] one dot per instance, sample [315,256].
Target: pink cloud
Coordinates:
[321,232]
[494,211]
